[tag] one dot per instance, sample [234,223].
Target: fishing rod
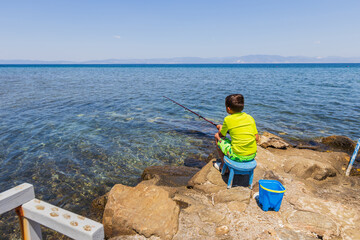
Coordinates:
[191,111]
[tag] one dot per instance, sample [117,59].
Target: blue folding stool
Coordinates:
[243,168]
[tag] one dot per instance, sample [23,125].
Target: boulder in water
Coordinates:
[340,143]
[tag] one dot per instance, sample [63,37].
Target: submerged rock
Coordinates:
[100,202]
[271,140]
[173,176]
[195,163]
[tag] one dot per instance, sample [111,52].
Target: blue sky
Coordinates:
[90,30]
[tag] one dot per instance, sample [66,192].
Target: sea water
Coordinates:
[73,131]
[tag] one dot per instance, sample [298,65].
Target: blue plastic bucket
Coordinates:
[271,193]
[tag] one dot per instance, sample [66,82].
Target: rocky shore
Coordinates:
[181,202]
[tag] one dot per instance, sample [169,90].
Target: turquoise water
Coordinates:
[75,131]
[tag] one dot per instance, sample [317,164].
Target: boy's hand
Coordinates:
[217,137]
[219,126]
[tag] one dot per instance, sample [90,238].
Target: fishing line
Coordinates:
[191,111]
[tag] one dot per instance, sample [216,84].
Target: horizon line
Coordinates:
[247,59]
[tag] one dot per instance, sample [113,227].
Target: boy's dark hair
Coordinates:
[235,102]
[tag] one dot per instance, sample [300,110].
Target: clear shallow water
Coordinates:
[75,131]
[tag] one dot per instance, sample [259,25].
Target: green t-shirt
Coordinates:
[242,130]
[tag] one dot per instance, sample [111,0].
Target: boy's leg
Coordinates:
[221,154]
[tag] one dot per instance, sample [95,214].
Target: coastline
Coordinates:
[176,181]
[319,203]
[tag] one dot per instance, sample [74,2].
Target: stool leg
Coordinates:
[251,175]
[231,176]
[223,169]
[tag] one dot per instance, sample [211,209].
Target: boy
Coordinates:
[242,130]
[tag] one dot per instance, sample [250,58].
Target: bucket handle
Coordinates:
[274,191]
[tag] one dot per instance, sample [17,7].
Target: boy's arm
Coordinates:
[218,135]
[222,130]
[257,138]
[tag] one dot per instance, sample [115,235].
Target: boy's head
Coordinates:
[235,102]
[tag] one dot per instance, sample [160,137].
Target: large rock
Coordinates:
[145,209]
[307,168]
[271,140]
[341,143]
[208,180]
[201,176]
[173,176]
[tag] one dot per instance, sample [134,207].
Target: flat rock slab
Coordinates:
[145,209]
[172,176]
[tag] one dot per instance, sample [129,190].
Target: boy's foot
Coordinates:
[217,165]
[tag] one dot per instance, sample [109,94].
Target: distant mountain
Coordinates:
[34,62]
[198,60]
[243,59]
